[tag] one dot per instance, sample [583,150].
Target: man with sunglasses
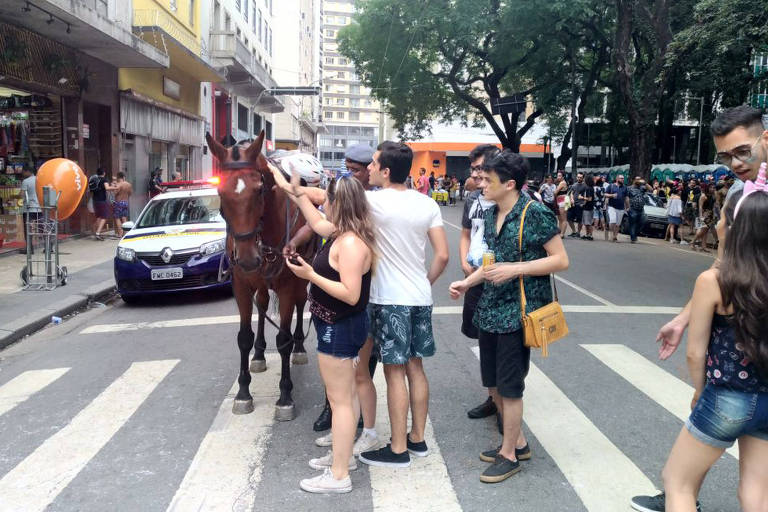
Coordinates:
[471,248]
[742,145]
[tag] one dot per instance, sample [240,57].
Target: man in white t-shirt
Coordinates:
[400,306]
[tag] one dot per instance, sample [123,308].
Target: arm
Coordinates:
[316,196]
[302,236]
[706,295]
[464,243]
[556,260]
[353,255]
[440,249]
[300,196]
[457,288]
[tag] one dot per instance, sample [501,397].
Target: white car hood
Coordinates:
[655,211]
[188,236]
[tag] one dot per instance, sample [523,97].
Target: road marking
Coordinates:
[437,311]
[452,225]
[585,292]
[579,449]
[36,481]
[21,387]
[425,485]
[666,390]
[227,468]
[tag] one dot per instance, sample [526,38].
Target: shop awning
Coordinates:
[85,30]
[146,117]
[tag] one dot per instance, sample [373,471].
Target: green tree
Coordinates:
[447,59]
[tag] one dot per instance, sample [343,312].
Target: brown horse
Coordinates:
[260,222]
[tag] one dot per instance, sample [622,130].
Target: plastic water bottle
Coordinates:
[56,320]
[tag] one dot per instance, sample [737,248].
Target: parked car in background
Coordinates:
[177,244]
[655,218]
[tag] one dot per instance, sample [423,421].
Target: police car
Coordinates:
[177,243]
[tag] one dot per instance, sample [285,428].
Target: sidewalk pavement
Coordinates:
[90,269]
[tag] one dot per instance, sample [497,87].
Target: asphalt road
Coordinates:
[128,407]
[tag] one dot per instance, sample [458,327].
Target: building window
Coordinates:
[326,155]
[269,130]
[339,143]
[354,116]
[354,89]
[338,156]
[340,115]
[329,60]
[270,42]
[238,5]
[354,102]
[339,101]
[242,118]
[330,33]
[342,61]
[256,123]
[260,18]
[327,101]
[255,29]
[341,75]
[245,11]
[191,13]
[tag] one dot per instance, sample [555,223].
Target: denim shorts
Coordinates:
[722,415]
[344,338]
[401,332]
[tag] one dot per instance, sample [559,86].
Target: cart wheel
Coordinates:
[23,276]
[62,275]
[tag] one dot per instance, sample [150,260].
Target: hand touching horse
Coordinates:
[260,221]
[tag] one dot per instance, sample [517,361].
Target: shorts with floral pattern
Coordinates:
[401,332]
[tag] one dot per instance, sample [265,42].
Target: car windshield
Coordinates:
[181,210]
[653,201]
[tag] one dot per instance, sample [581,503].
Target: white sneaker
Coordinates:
[683,242]
[327,460]
[365,443]
[326,440]
[326,484]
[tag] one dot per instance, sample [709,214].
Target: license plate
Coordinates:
[656,225]
[167,273]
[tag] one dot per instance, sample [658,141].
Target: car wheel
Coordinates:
[131,299]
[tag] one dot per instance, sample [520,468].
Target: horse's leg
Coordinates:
[299,352]
[243,403]
[258,363]
[284,409]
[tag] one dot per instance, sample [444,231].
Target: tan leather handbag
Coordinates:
[547,324]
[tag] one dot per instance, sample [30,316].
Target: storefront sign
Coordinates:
[86,131]
[270,145]
[171,89]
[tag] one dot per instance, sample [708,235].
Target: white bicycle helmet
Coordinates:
[309,168]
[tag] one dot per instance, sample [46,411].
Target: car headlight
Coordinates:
[126,254]
[213,247]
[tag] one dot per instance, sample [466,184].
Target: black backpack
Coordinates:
[93,183]
[637,201]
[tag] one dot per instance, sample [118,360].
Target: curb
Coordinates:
[33,322]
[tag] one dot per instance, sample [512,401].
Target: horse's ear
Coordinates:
[254,150]
[219,151]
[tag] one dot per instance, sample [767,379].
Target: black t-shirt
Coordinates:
[580,189]
[432,182]
[589,193]
[100,191]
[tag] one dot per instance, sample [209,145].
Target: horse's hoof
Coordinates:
[258,365]
[242,407]
[284,412]
[299,358]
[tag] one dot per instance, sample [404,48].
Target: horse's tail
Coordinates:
[274,304]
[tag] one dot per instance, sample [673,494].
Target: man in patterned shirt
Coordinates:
[504,358]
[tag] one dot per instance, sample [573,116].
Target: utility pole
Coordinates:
[701,117]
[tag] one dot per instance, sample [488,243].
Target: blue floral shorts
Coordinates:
[401,332]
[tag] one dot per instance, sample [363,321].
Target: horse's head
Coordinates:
[242,192]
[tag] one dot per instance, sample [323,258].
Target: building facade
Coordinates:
[350,114]
[298,50]
[59,91]
[241,42]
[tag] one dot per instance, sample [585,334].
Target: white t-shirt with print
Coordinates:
[402,219]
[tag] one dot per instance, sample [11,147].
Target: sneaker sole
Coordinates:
[321,467]
[357,453]
[317,490]
[323,444]
[419,454]
[500,478]
[384,464]
[522,456]
[640,508]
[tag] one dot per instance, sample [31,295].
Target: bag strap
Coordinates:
[520,250]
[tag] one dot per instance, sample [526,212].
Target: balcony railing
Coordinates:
[226,45]
[168,24]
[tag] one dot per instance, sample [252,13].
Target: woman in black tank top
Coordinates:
[340,278]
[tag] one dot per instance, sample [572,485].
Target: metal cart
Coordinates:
[42,271]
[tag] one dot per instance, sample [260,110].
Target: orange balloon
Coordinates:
[64,176]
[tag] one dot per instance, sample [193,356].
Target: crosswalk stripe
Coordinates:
[425,485]
[21,387]
[227,468]
[668,391]
[438,310]
[580,450]
[36,481]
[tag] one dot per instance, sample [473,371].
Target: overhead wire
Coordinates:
[386,49]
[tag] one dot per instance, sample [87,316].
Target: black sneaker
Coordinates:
[653,503]
[323,422]
[385,457]
[483,410]
[523,453]
[501,469]
[418,449]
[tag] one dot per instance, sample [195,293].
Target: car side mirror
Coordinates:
[128,225]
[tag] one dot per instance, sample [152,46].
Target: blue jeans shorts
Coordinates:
[401,332]
[722,415]
[344,338]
